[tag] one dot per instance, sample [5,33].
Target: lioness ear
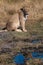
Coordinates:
[24,11]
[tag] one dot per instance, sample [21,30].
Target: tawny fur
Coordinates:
[16,21]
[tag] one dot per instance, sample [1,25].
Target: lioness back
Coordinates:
[14,22]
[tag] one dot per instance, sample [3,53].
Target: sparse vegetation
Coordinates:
[15,41]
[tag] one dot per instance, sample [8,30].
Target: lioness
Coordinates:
[17,21]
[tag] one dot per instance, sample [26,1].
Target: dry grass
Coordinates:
[35,8]
[15,40]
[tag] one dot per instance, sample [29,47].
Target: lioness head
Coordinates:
[25,13]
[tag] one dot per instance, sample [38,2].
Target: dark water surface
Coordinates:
[19,58]
[37,55]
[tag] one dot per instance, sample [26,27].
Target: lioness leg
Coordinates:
[23,26]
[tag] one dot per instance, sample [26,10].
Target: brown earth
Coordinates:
[13,42]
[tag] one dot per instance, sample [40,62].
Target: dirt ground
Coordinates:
[13,42]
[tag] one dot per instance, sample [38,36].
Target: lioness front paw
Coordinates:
[25,30]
